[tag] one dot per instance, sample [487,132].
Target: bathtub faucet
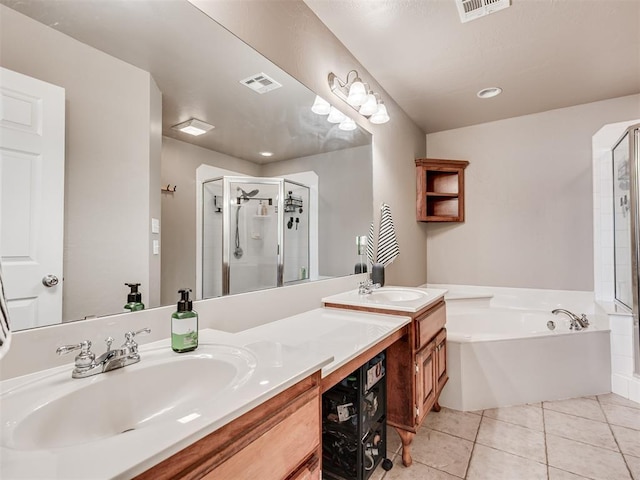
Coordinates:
[577,322]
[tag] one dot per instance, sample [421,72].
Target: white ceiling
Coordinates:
[545,54]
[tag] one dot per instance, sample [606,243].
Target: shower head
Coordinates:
[245,196]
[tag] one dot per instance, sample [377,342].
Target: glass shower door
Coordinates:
[212,203]
[622,223]
[296,232]
[252,235]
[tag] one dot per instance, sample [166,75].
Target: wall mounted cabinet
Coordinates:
[440,190]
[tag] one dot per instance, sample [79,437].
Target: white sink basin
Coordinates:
[404,299]
[58,411]
[396,295]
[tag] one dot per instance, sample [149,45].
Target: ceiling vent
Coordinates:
[472,9]
[261,83]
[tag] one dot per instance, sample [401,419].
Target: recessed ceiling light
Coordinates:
[489,92]
[266,154]
[193,127]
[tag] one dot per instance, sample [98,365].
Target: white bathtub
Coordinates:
[500,351]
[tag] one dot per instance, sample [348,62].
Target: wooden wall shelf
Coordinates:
[440,190]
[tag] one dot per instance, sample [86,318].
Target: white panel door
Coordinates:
[32,129]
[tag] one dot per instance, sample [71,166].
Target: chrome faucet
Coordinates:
[86,363]
[577,322]
[366,287]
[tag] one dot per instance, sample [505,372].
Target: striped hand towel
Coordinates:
[5,330]
[370,245]
[388,248]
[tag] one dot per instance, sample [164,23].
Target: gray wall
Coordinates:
[108,154]
[155,144]
[291,36]
[529,201]
[344,205]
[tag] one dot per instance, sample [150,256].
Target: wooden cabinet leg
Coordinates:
[436,407]
[407,438]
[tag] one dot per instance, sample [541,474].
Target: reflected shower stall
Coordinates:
[255,234]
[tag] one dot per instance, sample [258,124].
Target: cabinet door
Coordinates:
[425,381]
[276,453]
[441,358]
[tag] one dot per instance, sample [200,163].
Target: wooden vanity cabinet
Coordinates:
[416,371]
[277,440]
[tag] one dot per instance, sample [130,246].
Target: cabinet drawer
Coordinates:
[429,324]
[277,453]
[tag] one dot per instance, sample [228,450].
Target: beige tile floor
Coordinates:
[596,438]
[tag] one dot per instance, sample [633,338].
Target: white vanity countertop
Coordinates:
[403,299]
[286,351]
[342,333]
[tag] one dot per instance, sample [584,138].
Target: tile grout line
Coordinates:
[615,439]
[577,416]
[544,433]
[512,423]
[473,447]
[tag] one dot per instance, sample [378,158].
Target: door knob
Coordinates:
[50,281]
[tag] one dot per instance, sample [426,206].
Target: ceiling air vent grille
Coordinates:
[261,83]
[472,9]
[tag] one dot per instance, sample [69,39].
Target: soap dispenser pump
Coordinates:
[134,298]
[184,325]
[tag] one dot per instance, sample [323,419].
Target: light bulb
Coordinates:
[335,116]
[321,106]
[370,106]
[357,93]
[381,115]
[347,124]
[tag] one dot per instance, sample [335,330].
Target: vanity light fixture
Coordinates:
[489,92]
[358,95]
[381,115]
[370,106]
[193,126]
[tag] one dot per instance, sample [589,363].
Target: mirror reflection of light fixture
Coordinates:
[347,124]
[194,127]
[357,94]
[321,106]
[335,116]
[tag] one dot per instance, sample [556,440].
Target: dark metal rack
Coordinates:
[354,420]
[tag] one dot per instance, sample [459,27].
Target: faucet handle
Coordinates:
[85,359]
[108,341]
[84,347]
[584,319]
[129,335]
[130,345]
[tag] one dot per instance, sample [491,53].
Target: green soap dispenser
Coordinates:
[184,325]
[134,298]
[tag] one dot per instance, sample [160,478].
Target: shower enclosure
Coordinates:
[255,234]
[626,218]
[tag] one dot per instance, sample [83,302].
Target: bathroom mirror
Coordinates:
[131,71]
